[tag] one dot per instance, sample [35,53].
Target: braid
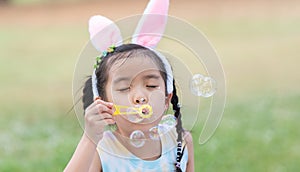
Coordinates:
[87,97]
[179,129]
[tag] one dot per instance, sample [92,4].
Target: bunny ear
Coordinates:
[152,25]
[104,33]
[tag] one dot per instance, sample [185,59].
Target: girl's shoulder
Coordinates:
[188,138]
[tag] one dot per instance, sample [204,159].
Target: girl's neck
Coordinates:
[150,151]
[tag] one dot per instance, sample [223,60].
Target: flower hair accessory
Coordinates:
[104,33]
[110,49]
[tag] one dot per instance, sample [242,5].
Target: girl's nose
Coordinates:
[140,100]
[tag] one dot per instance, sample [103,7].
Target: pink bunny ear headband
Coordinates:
[148,34]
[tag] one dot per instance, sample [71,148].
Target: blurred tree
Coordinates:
[4,2]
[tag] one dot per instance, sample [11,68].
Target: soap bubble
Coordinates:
[168,121]
[132,117]
[137,138]
[154,133]
[203,86]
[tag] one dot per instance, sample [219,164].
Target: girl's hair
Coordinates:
[126,51]
[179,129]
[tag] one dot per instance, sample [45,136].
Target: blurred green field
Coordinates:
[259,130]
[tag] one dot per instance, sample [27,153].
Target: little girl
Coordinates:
[129,92]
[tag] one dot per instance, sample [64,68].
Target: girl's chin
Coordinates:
[136,120]
[131,127]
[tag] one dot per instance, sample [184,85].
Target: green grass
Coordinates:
[259,130]
[37,138]
[256,134]
[37,65]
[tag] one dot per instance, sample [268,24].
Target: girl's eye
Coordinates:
[152,86]
[124,89]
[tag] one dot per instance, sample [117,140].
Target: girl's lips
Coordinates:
[145,111]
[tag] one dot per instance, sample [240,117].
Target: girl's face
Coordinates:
[133,82]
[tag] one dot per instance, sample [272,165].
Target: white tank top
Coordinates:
[116,158]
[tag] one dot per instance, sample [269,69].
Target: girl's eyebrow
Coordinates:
[151,76]
[120,79]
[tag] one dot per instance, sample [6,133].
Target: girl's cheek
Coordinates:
[157,101]
[157,97]
[120,98]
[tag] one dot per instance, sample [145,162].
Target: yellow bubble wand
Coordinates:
[144,111]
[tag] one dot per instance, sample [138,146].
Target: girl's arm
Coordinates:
[96,164]
[82,159]
[97,116]
[190,147]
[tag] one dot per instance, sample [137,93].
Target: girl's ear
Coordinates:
[168,100]
[152,24]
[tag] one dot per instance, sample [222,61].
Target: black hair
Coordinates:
[179,129]
[124,51]
[127,51]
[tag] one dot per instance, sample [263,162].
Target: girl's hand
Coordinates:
[97,116]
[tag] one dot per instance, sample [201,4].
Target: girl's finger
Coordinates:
[105,122]
[105,116]
[98,118]
[93,104]
[102,108]
[100,101]
[108,104]
[109,121]
[98,109]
